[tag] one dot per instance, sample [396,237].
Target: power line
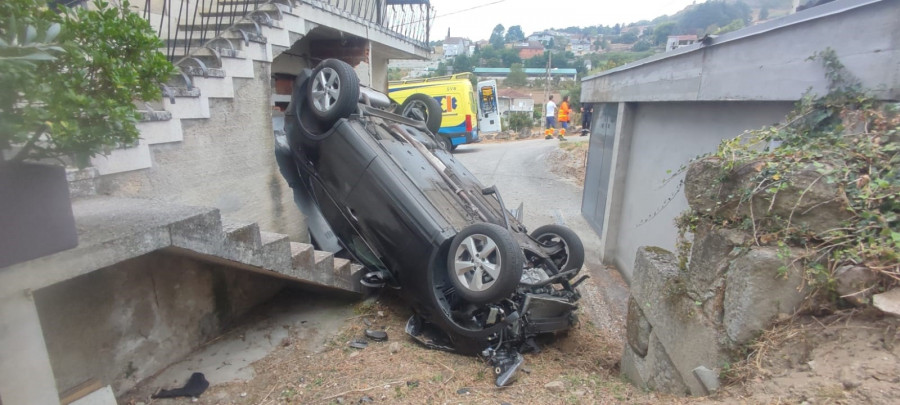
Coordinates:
[452,13]
[468,9]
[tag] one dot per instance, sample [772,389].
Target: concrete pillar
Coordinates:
[379,71]
[26,376]
[618,172]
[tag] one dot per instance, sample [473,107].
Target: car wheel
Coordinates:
[333,91]
[485,263]
[562,244]
[447,144]
[421,107]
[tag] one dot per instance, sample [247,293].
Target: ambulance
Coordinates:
[466,113]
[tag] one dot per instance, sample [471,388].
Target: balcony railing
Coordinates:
[187,24]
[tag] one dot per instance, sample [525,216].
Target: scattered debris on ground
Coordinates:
[570,160]
[580,367]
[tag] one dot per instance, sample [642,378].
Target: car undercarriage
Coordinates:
[376,183]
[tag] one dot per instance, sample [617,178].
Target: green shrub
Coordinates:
[72,94]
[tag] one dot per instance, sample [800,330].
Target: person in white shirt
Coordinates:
[550,112]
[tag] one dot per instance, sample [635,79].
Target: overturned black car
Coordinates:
[374,181]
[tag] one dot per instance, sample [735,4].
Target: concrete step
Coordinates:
[276,253]
[235,13]
[224,49]
[342,273]
[243,234]
[244,24]
[302,256]
[324,267]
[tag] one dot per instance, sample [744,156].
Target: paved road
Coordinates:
[519,170]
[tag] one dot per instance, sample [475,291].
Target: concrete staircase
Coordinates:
[207,72]
[263,31]
[112,230]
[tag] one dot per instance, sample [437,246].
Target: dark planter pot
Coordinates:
[35,212]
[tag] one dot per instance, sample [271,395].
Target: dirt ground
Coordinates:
[583,363]
[570,160]
[846,358]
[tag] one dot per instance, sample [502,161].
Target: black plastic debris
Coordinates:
[195,386]
[376,335]
[462,391]
[428,335]
[358,344]
[412,384]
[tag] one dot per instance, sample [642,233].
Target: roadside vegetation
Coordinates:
[852,144]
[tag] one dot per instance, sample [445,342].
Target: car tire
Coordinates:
[484,263]
[447,143]
[571,254]
[333,91]
[421,107]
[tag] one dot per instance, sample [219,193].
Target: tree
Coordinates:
[626,38]
[732,26]
[573,90]
[662,31]
[497,36]
[78,98]
[696,19]
[509,57]
[462,63]
[764,13]
[641,46]
[515,34]
[516,76]
[441,69]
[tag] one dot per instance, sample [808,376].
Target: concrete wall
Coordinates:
[657,146]
[769,61]
[226,162]
[124,323]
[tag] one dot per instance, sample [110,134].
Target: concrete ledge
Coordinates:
[112,230]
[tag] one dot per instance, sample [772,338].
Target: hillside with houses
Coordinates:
[590,49]
[554,61]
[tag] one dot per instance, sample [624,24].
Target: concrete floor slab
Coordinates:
[294,317]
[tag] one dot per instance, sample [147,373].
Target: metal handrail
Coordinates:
[185,25]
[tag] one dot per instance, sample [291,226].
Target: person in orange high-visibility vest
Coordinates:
[563,116]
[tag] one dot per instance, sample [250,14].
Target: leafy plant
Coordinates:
[70,79]
[852,141]
[518,121]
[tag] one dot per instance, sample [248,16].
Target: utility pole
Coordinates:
[546,92]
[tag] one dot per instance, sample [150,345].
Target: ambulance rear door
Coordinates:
[488,113]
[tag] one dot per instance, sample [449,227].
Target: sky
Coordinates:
[476,19]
